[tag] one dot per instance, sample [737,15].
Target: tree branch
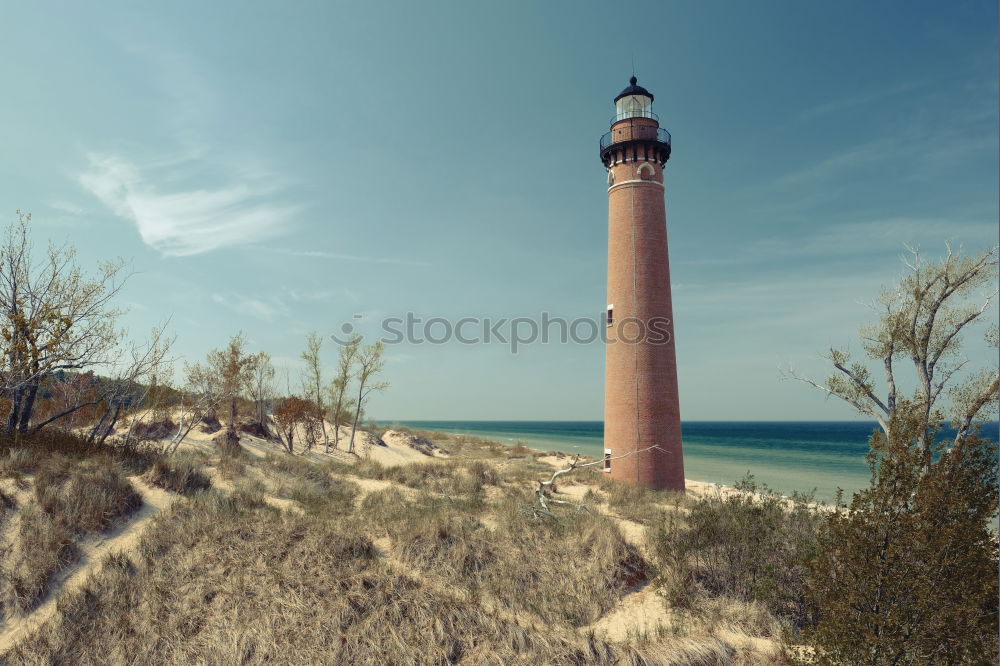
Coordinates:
[543,499]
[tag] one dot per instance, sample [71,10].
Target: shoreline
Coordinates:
[554,457]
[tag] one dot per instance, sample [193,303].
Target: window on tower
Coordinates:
[610,314]
[607,460]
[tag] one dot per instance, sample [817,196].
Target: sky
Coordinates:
[279,168]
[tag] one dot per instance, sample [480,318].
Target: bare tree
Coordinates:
[921,321]
[339,402]
[53,317]
[312,381]
[201,398]
[370,363]
[74,396]
[261,386]
[129,386]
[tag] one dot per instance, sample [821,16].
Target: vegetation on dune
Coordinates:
[907,572]
[178,475]
[464,571]
[752,546]
[70,498]
[249,585]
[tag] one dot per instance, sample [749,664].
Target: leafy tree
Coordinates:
[907,574]
[290,413]
[54,318]
[226,374]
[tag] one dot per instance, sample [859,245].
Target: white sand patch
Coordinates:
[640,611]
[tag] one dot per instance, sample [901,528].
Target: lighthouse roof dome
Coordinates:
[634,89]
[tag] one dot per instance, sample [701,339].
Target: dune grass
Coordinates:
[179,475]
[71,498]
[218,579]
[463,573]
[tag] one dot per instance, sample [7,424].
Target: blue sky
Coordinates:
[281,167]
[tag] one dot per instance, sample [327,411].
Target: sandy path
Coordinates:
[640,611]
[124,537]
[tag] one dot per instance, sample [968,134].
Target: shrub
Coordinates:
[178,475]
[316,498]
[908,573]
[154,430]
[748,546]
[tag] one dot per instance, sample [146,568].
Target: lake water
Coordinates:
[785,455]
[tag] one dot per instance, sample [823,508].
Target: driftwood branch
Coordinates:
[542,497]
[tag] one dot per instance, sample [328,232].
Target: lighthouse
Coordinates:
[641,402]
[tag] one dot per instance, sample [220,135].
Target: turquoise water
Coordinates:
[785,455]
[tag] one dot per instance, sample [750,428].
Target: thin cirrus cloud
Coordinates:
[323,254]
[252,307]
[185,222]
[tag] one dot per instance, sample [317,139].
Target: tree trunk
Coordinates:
[232,420]
[357,414]
[336,420]
[111,426]
[27,407]
[15,410]
[92,435]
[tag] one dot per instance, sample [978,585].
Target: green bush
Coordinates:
[753,545]
[908,572]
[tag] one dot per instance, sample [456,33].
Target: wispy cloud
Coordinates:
[186,221]
[857,242]
[927,133]
[857,100]
[321,295]
[252,307]
[840,162]
[66,207]
[323,254]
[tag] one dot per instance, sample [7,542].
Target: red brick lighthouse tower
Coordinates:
[641,405]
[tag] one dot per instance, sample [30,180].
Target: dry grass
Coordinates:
[330,497]
[220,582]
[70,499]
[179,475]
[15,462]
[464,574]
[639,504]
